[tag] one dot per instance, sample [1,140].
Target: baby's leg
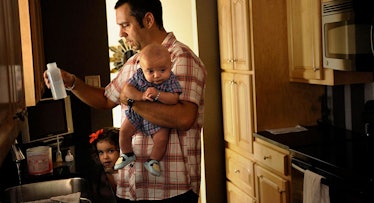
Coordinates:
[126,132]
[160,142]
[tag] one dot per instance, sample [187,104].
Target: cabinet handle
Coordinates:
[236,171]
[232,82]
[20,115]
[315,69]
[267,157]
[232,60]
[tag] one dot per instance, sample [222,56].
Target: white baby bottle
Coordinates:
[55,79]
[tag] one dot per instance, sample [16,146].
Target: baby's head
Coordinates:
[156,63]
[106,144]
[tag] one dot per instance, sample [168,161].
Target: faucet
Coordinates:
[17,153]
[17,158]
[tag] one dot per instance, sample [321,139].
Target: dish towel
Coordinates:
[314,191]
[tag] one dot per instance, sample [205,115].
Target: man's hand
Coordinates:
[68,78]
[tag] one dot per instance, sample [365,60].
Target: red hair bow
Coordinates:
[94,136]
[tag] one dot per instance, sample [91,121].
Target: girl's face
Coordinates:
[108,154]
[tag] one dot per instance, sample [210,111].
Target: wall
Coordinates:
[75,37]
[345,104]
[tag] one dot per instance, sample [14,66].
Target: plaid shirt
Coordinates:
[180,166]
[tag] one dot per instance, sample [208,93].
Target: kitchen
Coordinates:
[270,111]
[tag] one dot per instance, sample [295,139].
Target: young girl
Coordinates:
[106,146]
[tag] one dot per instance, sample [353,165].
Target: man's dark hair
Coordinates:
[140,7]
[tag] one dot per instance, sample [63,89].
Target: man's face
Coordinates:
[129,27]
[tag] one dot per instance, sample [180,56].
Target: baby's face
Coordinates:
[108,154]
[156,72]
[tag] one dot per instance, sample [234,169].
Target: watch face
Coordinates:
[130,102]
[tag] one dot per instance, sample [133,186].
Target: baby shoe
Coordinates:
[123,160]
[153,167]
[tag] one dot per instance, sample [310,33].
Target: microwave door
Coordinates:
[348,39]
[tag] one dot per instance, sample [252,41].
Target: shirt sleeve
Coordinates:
[191,74]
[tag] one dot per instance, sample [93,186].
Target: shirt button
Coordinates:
[131,165]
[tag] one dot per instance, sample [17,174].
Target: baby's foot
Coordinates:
[123,160]
[153,167]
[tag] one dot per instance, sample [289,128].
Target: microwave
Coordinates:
[347,35]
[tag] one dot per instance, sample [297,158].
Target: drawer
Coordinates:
[271,157]
[239,170]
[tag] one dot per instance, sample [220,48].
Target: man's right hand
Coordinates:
[68,78]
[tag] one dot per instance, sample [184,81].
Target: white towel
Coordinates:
[314,191]
[70,198]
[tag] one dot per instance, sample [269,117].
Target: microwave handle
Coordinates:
[372,37]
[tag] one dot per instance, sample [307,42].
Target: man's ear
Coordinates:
[148,20]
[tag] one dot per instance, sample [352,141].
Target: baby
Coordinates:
[154,82]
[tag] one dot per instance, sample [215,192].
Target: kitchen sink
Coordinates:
[47,189]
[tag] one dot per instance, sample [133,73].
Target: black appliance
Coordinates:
[345,164]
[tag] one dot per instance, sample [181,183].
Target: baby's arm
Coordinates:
[152,94]
[131,92]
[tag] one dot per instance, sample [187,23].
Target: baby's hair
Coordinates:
[110,134]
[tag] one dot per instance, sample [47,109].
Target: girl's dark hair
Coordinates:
[110,134]
[140,7]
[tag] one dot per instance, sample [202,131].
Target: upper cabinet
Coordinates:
[30,20]
[234,36]
[305,48]
[12,102]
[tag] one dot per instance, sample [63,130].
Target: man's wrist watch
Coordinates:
[130,102]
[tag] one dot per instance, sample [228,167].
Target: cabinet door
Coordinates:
[237,109]
[11,83]
[235,195]
[304,35]
[30,19]
[234,35]
[270,187]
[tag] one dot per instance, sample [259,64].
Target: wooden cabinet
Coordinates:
[271,172]
[12,102]
[234,34]
[30,19]
[270,187]
[240,171]
[237,109]
[256,93]
[305,48]
[235,195]
[271,157]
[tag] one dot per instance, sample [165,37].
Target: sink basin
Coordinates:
[48,189]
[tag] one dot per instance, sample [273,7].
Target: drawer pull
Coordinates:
[267,157]
[237,171]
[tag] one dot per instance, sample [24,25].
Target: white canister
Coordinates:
[39,160]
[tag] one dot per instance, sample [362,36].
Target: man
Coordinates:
[141,24]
